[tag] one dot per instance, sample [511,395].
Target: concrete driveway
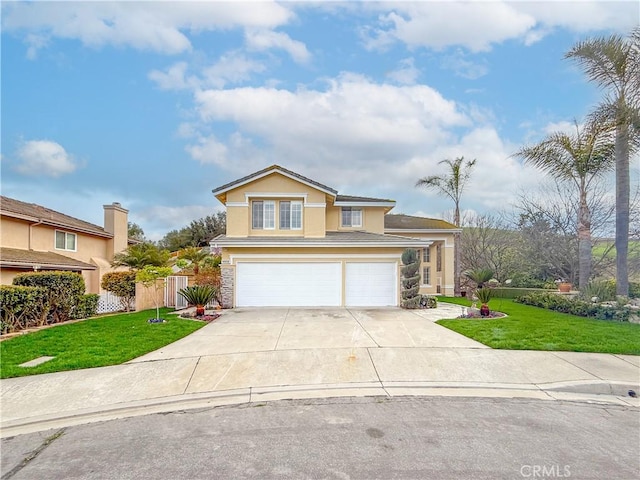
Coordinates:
[269,329]
[256,355]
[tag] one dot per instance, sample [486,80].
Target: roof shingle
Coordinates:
[12,207]
[15,257]
[408,222]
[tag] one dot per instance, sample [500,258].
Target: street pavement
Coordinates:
[366,438]
[249,356]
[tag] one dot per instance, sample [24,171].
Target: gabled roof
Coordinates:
[332,239]
[268,171]
[407,222]
[31,212]
[18,258]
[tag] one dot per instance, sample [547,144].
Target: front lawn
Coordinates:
[98,342]
[533,328]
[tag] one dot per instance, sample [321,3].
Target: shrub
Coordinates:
[484,294]
[209,275]
[410,279]
[87,306]
[121,284]
[63,291]
[560,303]
[22,307]
[198,296]
[511,292]
[602,290]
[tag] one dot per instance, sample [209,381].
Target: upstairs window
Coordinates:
[291,215]
[65,241]
[351,217]
[263,215]
[426,255]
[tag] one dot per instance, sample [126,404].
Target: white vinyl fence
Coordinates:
[108,302]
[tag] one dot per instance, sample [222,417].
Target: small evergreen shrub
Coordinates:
[63,290]
[22,307]
[121,284]
[410,279]
[198,296]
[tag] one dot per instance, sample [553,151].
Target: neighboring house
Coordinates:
[35,238]
[292,241]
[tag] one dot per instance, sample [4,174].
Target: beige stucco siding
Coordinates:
[238,221]
[273,185]
[372,219]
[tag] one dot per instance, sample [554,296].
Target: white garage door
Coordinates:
[288,284]
[371,284]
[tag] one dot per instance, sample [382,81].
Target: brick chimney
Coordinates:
[116,222]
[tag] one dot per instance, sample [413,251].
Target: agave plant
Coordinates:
[199,296]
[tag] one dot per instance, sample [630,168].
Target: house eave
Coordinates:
[409,231]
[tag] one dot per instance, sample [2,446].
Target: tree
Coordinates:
[487,240]
[410,279]
[452,185]
[137,256]
[197,234]
[580,158]
[150,277]
[613,63]
[135,232]
[195,255]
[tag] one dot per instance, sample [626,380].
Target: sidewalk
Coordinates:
[240,360]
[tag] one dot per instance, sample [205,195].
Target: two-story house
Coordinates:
[34,238]
[292,241]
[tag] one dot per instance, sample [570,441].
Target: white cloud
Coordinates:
[173,78]
[477,25]
[43,157]
[463,67]
[233,68]
[474,25]
[268,39]
[209,150]
[406,73]
[354,121]
[154,26]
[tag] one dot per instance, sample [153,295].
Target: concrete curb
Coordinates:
[599,392]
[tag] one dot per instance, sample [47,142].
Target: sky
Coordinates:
[155,104]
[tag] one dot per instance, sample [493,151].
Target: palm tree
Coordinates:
[452,185]
[613,63]
[140,255]
[195,255]
[580,158]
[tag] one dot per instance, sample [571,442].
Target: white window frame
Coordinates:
[426,255]
[426,275]
[295,215]
[268,215]
[352,223]
[67,237]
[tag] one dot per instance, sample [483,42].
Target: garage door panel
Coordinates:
[289,284]
[371,284]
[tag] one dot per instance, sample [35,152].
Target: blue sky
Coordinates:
[154,104]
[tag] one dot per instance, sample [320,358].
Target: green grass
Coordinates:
[97,342]
[533,328]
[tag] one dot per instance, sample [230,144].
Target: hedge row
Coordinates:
[41,298]
[515,292]
[560,303]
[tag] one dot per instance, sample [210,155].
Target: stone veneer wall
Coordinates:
[227,287]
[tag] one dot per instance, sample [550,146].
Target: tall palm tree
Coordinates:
[452,185]
[579,158]
[613,63]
